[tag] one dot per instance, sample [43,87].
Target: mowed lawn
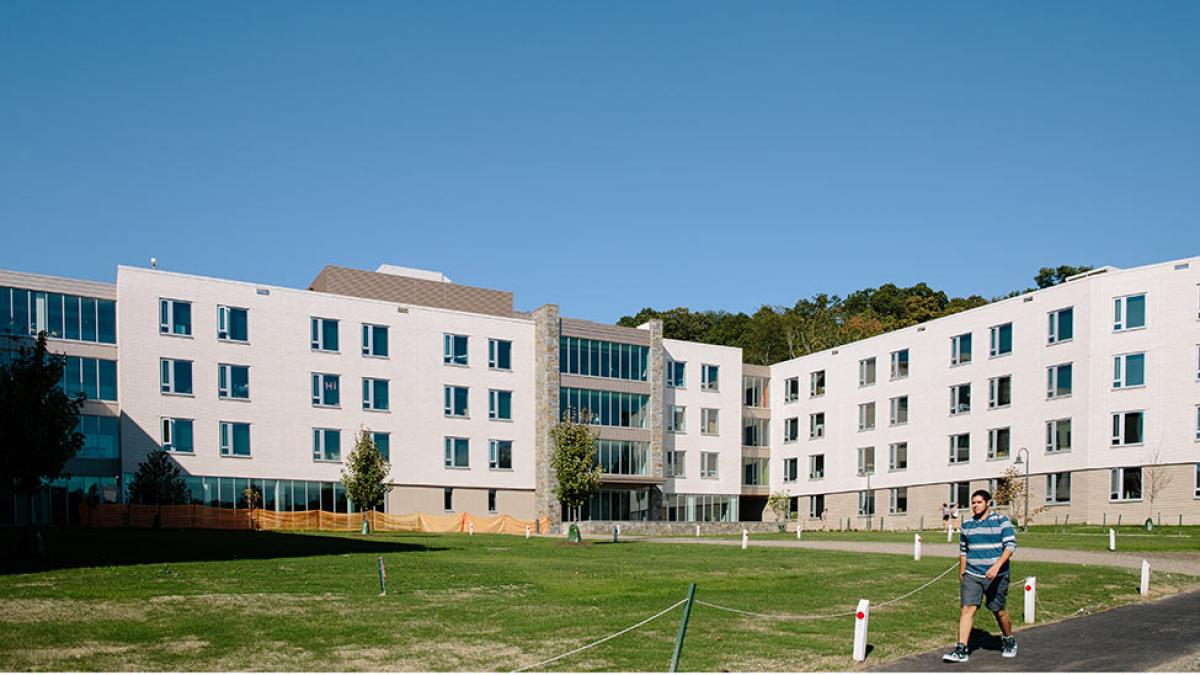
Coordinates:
[218,601]
[1077,537]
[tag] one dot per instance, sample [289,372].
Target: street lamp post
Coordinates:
[1025,518]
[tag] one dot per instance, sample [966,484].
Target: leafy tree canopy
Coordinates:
[365,475]
[158,480]
[576,472]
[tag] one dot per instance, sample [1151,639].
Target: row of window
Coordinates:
[676,464]
[710,376]
[96,379]
[710,420]
[66,317]
[605,408]
[600,358]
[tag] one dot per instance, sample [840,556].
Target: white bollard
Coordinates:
[470,529]
[1030,599]
[526,531]
[1112,539]
[618,530]
[697,531]
[1145,589]
[799,530]
[916,547]
[949,532]
[860,629]
[745,539]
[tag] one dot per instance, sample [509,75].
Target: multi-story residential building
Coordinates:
[1094,384]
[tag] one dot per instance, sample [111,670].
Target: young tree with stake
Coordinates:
[576,472]
[365,475]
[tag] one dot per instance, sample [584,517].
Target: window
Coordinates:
[499,405]
[708,465]
[816,425]
[177,435]
[791,469]
[232,324]
[677,419]
[866,460]
[866,416]
[710,377]
[235,439]
[816,384]
[866,502]
[67,317]
[999,443]
[1062,325]
[375,394]
[898,413]
[1129,370]
[102,437]
[327,445]
[899,500]
[326,390]
[374,340]
[1198,422]
[1198,362]
[605,408]
[755,432]
[676,466]
[455,400]
[447,499]
[233,381]
[866,372]
[709,421]
[960,448]
[499,454]
[1128,428]
[598,358]
[499,354]
[1000,341]
[1058,435]
[1129,312]
[454,349]
[897,456]
[1196,484]
[816,467]
[176,376]
[1058,381]
[791,389]
[960,349]
[491,500]
[960,399]
[755,390]
[754,471]
[960,494]
[96,379]
[1058,488]
[1126,485]
[791,429]
[174,317]
[675,374]
[816,506]
[383,443]
[1000,391]
[458,453]
[324,334]
[900,364]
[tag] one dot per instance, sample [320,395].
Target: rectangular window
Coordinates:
[676,378]
[866,416]
[176,376]
[499,354]
[1196,484]
[816,506]
[899,500]
[866,502]
[816,384]
[1058,488]
[374,340]
[999,443]
[710,377]
[454,349]
[1058,435]
[375,394]
[1198,423]
[1128,428]
[458,453]
[791,389]
[676,467]
[628,458]
[499,405]
[897,456]
[1000,391]
[605,408]
[232,324]
[755,391]
[754,471]
[499,454]
[816,425]
[327,445]
[708,465]
[235,439]
[447,499]
[174,317]
[324,334]
[677,419]
[491,506]
[177,435]
[816,467]
[898,413]
[1000,342]
[709,421]
[1126,485]
[960,399]
[866,461]
[1058,381]
[960,448]
[960,349]
[1129,370]
[95,378]
[1129,312]
[900,364]
[755,432]
[866,372]
[455,401]
[383,443]
[233,381]
[102,437]
[598,358]
[791,429]
[326,390]
[960,494]
[1062,325]
[791,469]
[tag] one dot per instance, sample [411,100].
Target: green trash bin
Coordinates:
[573,534]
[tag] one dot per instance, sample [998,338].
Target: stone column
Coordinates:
[658,381]
[547,328]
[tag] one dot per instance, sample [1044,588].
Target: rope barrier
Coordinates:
[601,640]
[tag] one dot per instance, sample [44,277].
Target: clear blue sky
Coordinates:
[603,156]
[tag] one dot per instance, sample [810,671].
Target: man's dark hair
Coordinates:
[987,496]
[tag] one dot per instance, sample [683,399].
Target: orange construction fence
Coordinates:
[210,517]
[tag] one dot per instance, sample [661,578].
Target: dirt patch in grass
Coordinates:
[189,644]
[450,654]
[64,658]
[33,610]
[252,604]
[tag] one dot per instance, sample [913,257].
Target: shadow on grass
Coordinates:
[67,548]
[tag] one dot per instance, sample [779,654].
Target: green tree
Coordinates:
[781,505]
[39,421]
[365,475]
[1052,276]
[158,480]
[576,472]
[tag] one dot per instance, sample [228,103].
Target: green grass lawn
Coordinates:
[211,600]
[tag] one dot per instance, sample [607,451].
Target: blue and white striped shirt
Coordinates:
[983,540]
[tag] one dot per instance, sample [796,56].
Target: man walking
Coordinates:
[986,541]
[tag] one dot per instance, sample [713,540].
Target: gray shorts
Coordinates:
[974,589]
